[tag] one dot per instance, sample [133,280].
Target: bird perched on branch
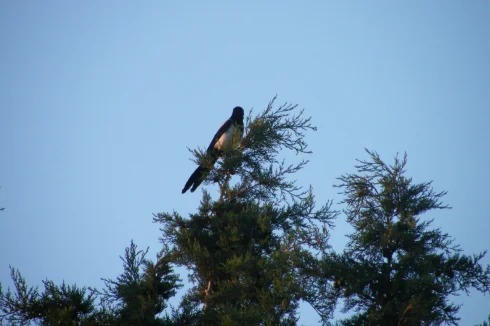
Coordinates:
[227,137]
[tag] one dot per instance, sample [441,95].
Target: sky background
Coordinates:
[99,101]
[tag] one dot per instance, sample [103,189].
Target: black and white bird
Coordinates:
[227,137]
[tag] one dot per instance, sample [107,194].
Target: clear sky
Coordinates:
[99,100]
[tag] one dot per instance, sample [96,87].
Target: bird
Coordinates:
[227,137]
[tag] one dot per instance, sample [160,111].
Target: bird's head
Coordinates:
[238,113]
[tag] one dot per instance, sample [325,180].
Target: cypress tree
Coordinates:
[243,248]
[396,269]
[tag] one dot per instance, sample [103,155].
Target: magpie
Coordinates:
[227,137]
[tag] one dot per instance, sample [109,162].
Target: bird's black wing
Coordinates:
[202,171]
[218,135]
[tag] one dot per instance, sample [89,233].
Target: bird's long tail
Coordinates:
[196,178]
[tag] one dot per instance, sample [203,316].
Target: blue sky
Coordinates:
[99,100]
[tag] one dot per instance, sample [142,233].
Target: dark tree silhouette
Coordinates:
[259,247]
[242,249]
[397,270]
[136,297]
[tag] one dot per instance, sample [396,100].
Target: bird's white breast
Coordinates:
[225,142]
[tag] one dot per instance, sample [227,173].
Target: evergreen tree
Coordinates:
[57,305]
[397,270]
[137,297]
[243,249]
[141,292]
[261,246]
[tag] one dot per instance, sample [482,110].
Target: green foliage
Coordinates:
[262,246]
[244,250]
[136,297]
[141,292]
[396,270]
[57,305]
